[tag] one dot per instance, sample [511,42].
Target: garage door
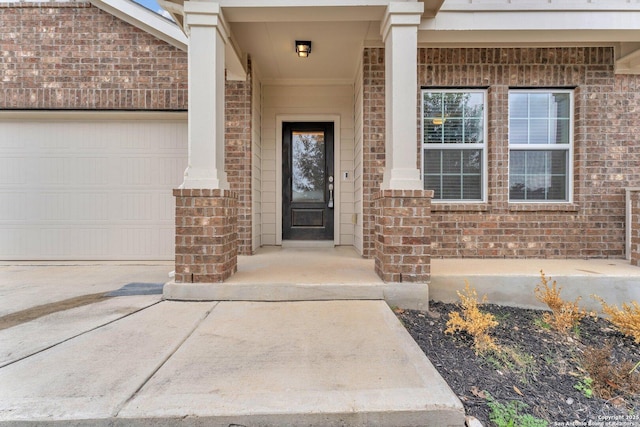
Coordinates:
[89,186]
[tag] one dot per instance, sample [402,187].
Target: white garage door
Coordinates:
[89,186]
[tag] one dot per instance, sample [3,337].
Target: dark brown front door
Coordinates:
[308,185]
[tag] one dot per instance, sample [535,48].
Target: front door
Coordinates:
[307,181]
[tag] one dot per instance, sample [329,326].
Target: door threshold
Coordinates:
[307,244]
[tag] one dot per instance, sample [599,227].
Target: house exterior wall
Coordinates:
[372,141]
[74,56]
[238,155]
[298,103]
[606,152]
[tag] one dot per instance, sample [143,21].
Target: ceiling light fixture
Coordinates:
[303,48]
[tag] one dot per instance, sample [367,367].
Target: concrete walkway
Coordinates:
[137,360]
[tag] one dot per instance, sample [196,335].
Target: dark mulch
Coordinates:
[544,381]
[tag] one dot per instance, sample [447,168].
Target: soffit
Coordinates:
[335,51]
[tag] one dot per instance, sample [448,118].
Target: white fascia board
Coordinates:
[522,38]
[303,11]
[144,19]
[532,5]
[533,20]
[301,3]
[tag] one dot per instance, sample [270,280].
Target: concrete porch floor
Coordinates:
[303,274]
[290,274]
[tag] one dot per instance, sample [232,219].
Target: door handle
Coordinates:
[331,192]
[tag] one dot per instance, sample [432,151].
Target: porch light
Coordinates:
[303,48]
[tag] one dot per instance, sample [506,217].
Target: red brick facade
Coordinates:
[606,152]
[373,142]
[75,56]
[206,235]
[403,235]
[238,156]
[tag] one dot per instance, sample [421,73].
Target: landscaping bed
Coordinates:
[537,366]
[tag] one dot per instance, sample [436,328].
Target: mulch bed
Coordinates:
[545,380]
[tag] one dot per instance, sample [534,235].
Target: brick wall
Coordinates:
[206,235]
[403,235]
[75,56]
[372,142]
[606,152]
[238,156]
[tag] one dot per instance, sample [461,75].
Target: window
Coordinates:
[540,145]
[454,135]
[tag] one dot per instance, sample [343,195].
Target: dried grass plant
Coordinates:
[564,315]
[473,321]
[627,320]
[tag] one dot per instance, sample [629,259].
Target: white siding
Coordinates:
[357,172]
[307,100]
[256,161]
[90,187]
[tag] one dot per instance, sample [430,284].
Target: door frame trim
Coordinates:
[303,118]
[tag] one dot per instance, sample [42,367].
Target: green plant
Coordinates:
[576,331]
[627,320]
[511,414]
[585,386]
[512,359]
[541,323]
[549,360]
[472,321]
[564,315]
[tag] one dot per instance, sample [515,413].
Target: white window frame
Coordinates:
[544,147]
[482,146]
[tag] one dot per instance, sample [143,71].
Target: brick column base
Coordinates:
[206,235]
[403,235]
[633,196]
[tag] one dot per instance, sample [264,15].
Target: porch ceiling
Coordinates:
[335,50]
[336,29]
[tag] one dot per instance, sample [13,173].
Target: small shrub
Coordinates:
[564,315]
[609,380]
[585,386]
[510,415]
[472,321]
[627,320]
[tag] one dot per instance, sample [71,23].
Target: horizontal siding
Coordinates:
[306,100]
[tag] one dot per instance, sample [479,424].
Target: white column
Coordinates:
[400,35]
[208,35]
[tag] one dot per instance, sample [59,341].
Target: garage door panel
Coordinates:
[12,171]
[93,188]
[13,207]
[93,243]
